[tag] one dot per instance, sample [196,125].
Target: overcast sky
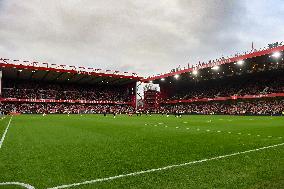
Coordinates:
[147,37]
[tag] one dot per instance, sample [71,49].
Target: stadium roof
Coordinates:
[17,69]
[217,63]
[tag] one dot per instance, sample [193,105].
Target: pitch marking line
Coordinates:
[229,132]
[5,132]
[17,184]
[162,168]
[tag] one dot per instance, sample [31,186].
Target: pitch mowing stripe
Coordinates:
[5,132]
[162,168]
[17,184]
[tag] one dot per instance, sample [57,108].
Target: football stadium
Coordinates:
[212,124]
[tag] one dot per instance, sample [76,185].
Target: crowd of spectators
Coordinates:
[258,107]
[255,107]
[239,86]
[33,90]
[38,90]
[64,108]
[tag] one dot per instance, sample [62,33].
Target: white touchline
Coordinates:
[5,132]
[17,184]
[161,168]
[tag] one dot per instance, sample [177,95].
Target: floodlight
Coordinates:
[240,62]
[162,79]
[176,76]
[276,54]
[215,68]
[195,72]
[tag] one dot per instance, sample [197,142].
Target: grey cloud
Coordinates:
[147,37]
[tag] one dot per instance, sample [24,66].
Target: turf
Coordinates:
[58,149]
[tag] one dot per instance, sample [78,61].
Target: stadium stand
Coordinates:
[258,83]
[40,90]
[247,84]
[32,87]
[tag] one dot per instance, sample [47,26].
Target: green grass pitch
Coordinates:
[55,150]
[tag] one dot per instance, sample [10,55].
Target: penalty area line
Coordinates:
[5,132]
[162,168]
[17,184]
